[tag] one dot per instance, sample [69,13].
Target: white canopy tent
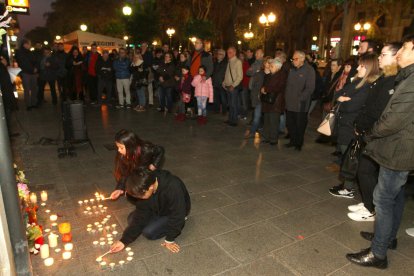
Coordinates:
[82,39]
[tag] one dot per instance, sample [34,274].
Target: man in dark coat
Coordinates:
[220,96]
[47,74]
[391,145]
[162,205]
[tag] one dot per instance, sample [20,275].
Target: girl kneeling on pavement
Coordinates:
[203,91]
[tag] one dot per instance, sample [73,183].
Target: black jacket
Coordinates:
[167,72]
[27,61]
[348,111]
[7,89]
[150,155]
[218,72]
[104,69]
[379,94]
[170,200]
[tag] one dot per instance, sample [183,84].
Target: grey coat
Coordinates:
[256,83]
[391,142]
[299,88]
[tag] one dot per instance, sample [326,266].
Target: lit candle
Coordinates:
[105,208]
[49,262]
[96,194]
[100,206]
[96,213]
[110,239]
[53,240]
[100,229]
[129,259]
[47,230]
[103,265]
[108,227]
[108,216]
[44,251]
[89,230]
[47,211]
[130,253]
[93,231]
[89,225]
[95,243]
[43,204]
[121,263]
[99,259]
[96,223]
[68,246]
[114,226]
[54,224]
[102,239]
[102,243]
[91,200]
[53,218]
[33,198]
[85,212]
[43,195]
[66,255]
[57,250]
[109,235]
[80,202]
[128,249]
[112,265]
[90,213]
[115,233]
[99,226]
[88,208]
[86,201]
[94,207]
[110,242]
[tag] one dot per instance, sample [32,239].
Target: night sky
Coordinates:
[37,9]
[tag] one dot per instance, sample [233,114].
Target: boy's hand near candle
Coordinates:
[172,246]
[117,246]
[116,194]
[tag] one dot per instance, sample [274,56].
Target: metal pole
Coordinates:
[11,202]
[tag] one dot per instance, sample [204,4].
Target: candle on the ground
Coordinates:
[49,262]
[69,246]
[53,240]
[95,243]
[112,265]
[130,253]
[66,255]
[43,195]
[129,259]
[53,218]
[103,265]
[121,263]
[44,251]
[114,226]
[33,198]
[80,202]
[57,250]
[47,211]
[115,233]
[43,204]
[128,249]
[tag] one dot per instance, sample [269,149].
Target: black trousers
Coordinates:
[93,88]
[52,85]
[296,123]
[368,171]
[271,126]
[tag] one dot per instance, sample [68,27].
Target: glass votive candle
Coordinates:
[110,239]
[69,246]
[130,259]
[114,226]
[128,249]
[85,212]
[109,235]
[121,263]
[105,208]
[90,213]
[53,218]
[89,230]
[80,202]
[49,261]
[108,216]
[110,242]
[54,224]
[102,239]
[47,211]
[91,200]
[88,208]
[57,250]
[67,255]
[93,231]
[108,227]
[96,213]
[47,230]
[100,206]
[103,265]
[89,225]
[65,228]
[86,201]
[95,243]
[94,207]
[130,253]
[100,229]
[102,243]
[43,204]
[115,233]
[99,259]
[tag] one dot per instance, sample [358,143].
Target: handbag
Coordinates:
[268,98]
[350,159]
[327,125]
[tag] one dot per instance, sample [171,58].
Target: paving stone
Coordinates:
[206,201]
[291,199]
[246,191]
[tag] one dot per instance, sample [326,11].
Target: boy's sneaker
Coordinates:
[343,193]
[362,216]
[118,106]
[128,106]
[356,207]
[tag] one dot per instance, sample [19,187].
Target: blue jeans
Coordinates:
[233,101]
[244,100]
[389,207]
[282,123]
[156,228]
[165,95]
[256,118]
[201,104]
[141,96]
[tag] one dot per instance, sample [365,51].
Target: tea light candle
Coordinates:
[53,218]
[53,240]
[102,243]
[102,211]
[114,226]
[80,202]
[129,259]
[47,211]
[99,259]
[96,223]
[108,227]
[68,246]
[109,235]
[100,229]
[43,204]
[86,201]
[100,206]
[110,239]
[66,255]
[110,242]
[85,212]
[96,213]
[99,226]
[121,263]
[89,230]
[54,224]
[93,231]
[103,265]
[47,230]
[112,265]
[130,253]
[102,239]
[57,250]
[88,208]
[91,200]
[115,233]
[89,225]
[94,207]
[44,251]
[33,198]
[49,262]
[108,216]
[90,213]
[95,243]
[43,195]
[128,249]
[105,208]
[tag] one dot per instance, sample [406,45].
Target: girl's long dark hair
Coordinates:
[124,165]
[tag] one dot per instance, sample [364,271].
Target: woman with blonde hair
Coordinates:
[351,101]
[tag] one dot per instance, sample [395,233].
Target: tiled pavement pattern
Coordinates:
[257,209]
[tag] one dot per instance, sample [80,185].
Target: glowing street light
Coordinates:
[126,38]
[58,37]
[83,27]
[365,27]
[314,38]
[46,42]
[127,10]
[170,32]
[155,43]
[249,34]
[266,21]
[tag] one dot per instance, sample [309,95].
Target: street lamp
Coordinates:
[365,27]
[126,37]
[314,38]
[83,27]
[127,10]
[58,37]
[249,34]
[46,42]
[266,21]
[170,33]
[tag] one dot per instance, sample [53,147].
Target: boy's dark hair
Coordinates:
[393,46]
[408,38]
[371,44]
[139,182]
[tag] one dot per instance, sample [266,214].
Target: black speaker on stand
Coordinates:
[74,128]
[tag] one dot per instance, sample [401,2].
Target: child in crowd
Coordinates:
[203,91]
[184,89]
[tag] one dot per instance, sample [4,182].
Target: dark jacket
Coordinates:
[147,57]
[139,75]
[256,84]
[275,84]
[299,88]
[218,72]
[184,86]
[61,58]
[348,111]
[329,87]
[26,60]
[379,94]
[167,72]
[391,142]
[150,155]
[48,68]
[170,200]
[7,89]
[104,69]
[206,61]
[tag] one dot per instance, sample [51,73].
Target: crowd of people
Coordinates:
[372,94]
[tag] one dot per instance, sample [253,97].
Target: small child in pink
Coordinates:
[203,91]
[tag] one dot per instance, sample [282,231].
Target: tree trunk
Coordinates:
[229,38]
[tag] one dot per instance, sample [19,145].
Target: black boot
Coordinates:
[367,258]
[370,236]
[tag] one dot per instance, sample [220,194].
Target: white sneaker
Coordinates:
[356,207]
[410,231]
[363,217]
[363,211]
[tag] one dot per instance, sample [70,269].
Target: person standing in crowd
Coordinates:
[378,96]
[300,85]
[256,74]
[244,92]
[275,85]
[61,72]
[250,56]
[203,92]
[367,46]
[48,74]
[166,74]
[147,57]
[390,143]
[139,81]
[92,80]
[180,64]
[166,49]
[157,61]
[317,92]
[185,89]
[200,57]
[74,66]
[281,55]
[232,80]
[27,63]
[7,90]
[104,71]
[220,97]
[352,100]
[122,75]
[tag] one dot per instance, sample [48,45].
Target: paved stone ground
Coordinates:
[257,209]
